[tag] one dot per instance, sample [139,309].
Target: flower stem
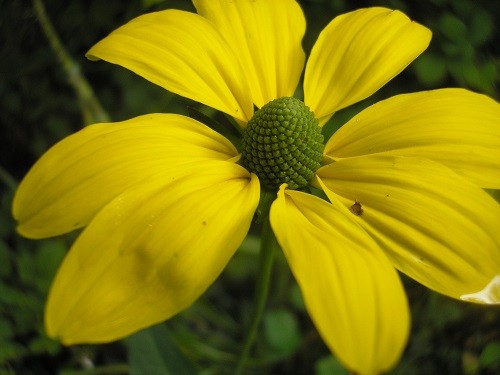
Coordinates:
[90,106]
[266,257]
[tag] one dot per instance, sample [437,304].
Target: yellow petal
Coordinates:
[489,295]
[358,53]
[435,226]
[351,291]
[266,36]
[455,127]
[150,253]
[83,172]
[183,53]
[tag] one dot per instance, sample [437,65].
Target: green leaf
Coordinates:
[48,258]
[153,352]
[329,366]
[282,331]
[10,350]
[482,28]
[430,69]
[39,269]
[452,27]
[45,345]
[296,298]
[490,356]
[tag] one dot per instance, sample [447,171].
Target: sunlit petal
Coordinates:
[489,295]
[436,226]
[183,53]
[352,292]
[150,253]
[356,54]
[83,172]
[455,127]
[266,36]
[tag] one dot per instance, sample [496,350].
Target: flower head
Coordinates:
[166,201]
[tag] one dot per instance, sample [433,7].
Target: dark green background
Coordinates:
[38,107]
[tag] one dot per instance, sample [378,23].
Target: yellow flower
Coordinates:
[166,201]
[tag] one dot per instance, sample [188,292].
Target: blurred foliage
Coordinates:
[39,108]
[458,53]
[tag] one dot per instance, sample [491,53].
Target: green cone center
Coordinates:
[283,144]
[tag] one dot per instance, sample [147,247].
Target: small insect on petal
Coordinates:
[356,208]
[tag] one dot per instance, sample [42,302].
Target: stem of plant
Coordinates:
[90,106]
[266,258]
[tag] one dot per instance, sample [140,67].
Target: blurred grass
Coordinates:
[39,107]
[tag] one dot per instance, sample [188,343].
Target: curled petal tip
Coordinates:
[490,295]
